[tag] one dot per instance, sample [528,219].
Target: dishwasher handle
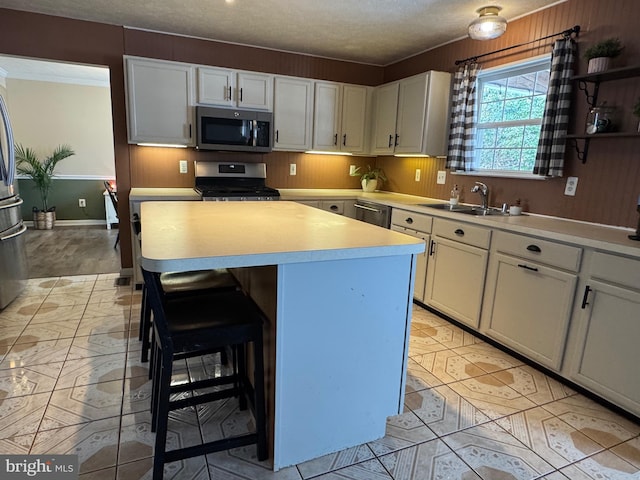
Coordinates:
[23,228]
[365,207]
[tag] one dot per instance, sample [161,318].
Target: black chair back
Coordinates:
[112,196]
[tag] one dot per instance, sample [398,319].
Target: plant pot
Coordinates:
[44,220]
[369,185]
[598,64]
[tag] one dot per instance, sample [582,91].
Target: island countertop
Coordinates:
[198,235]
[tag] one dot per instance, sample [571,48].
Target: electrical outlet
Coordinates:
[352,169]
[417,174]
[183,166]
[292,169]
[571,187]
[82,202]
[442,177]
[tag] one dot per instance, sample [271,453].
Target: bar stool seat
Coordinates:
[192,326]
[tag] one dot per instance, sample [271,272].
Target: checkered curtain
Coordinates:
[555,121]
[462,129]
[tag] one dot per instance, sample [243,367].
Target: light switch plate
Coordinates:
[571,186]
[292,169]
[417,174]
[352,169]
[442,177]
[183,166]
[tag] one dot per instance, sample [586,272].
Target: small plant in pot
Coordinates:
[600,54]
[41,173]
[371,179]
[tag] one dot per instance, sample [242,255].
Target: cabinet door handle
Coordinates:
[397,138]
[390,140]
[189,130]
[229,94]
[240,94]
[534,248]
[277,131]
[432,248]
[335,139]
[344,139]
[527,267]
[409,220]
[459,232]
[585,297]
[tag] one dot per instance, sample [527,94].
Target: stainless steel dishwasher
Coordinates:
[373,213]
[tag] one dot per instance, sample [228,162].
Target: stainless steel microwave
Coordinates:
[233,130]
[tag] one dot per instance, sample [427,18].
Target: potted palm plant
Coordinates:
[600,54]
[371,179]
[41,173]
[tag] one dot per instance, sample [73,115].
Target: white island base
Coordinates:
[338,294]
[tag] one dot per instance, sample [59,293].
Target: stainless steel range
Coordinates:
[230,181]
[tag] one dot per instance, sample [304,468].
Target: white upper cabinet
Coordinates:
[159,102]
[419,123]
[232,88]
[292,113]
[340,117]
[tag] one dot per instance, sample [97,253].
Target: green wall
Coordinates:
[64,195]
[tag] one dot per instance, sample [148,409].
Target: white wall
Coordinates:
[46,114]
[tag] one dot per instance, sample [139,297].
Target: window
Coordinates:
[510,102]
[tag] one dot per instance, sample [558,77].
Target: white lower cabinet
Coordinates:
[605,354]
[419,226]
[456,270]
[529,296]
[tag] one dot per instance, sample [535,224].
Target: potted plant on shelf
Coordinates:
[41,173]
[600,54]
[371,179]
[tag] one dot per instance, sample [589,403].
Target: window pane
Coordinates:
[510,137]
[537,107]
[542,81]
[531,136]
[491,112]
[493,91]
[507,159]
[486,137]
[517,109]
[485,159]
[521,86]
[528,159]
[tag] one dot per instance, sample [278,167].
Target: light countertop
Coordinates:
[600,237]
[185,235]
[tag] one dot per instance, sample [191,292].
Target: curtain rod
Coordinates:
[565,33]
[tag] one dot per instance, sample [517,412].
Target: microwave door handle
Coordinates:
[254,132]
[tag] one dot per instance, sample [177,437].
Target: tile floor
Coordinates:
[71,382]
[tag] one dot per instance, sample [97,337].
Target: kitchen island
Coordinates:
[338,294]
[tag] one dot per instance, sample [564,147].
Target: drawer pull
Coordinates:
[527,267]
[459,232]
[534,248]
[432,247]
[334,207]
[409,220]
[585,297]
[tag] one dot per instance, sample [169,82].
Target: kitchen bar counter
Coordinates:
[338,294]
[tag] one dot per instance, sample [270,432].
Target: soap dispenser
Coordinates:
[454,198]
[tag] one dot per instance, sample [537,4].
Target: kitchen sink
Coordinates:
[466,209]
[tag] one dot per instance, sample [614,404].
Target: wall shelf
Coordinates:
[592,99]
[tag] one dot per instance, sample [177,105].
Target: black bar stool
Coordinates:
[193,326]
[175,284]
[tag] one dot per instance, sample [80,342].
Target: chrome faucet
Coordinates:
[483,190]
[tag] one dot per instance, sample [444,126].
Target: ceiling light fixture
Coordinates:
[488,25]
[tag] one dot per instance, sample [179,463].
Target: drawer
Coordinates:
[462,232]
[412,220]
[333,206]
[612,268]
[541,251]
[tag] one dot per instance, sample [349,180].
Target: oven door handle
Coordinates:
[254,132]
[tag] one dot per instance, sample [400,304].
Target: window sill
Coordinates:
[478,173]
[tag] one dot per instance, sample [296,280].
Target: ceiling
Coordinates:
[377,32]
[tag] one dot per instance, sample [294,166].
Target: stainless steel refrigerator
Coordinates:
[13,258]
